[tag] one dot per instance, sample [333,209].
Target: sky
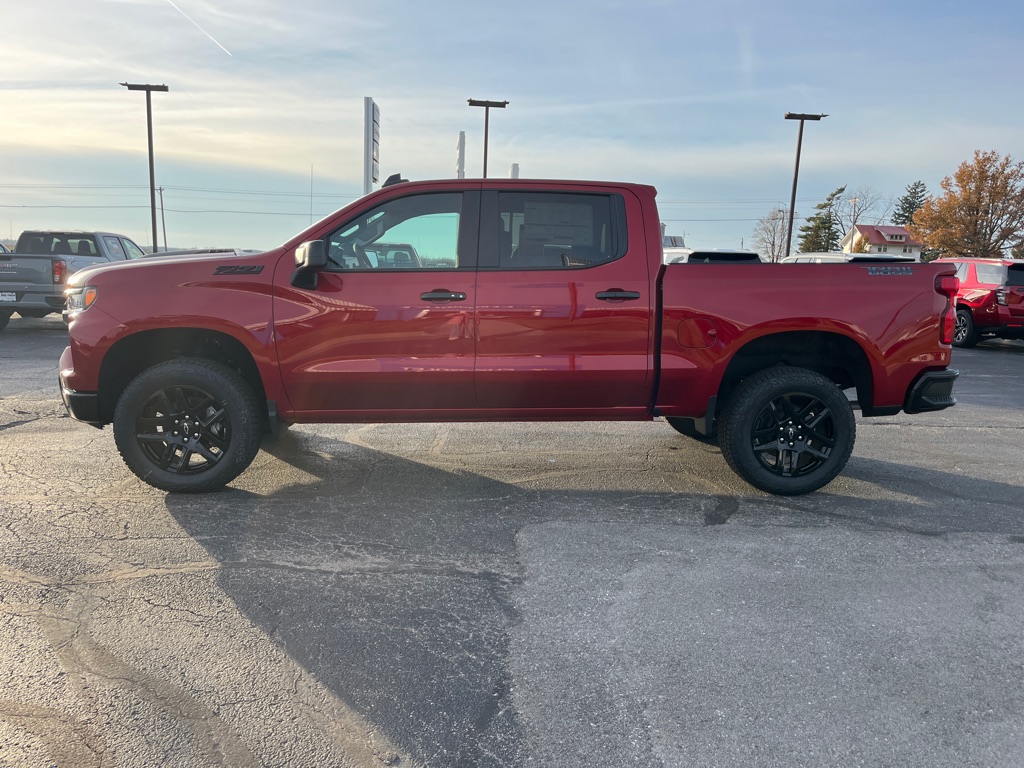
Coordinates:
[261,131]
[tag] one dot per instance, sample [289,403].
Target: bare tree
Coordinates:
[860,205]
[770,234]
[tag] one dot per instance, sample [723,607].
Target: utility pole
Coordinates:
[163,219]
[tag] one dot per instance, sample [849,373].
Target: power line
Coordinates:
[146,207]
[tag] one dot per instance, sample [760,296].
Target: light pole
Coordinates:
[149,127]
[796,171]
[487,119]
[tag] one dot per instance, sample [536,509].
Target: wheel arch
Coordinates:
[129,356]
[834,355]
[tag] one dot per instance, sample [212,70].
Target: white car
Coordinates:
[710,256]
[841,258]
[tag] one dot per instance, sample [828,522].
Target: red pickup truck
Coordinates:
[500,300]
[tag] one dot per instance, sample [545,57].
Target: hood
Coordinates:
[174,265]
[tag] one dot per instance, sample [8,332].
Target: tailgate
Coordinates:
[20,271]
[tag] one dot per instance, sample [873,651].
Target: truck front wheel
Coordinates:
[787,431]
[188,425]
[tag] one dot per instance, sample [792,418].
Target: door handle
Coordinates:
[440,294]
[617,294]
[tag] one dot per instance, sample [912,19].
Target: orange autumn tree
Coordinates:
[981,210]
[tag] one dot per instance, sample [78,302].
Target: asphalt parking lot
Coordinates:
[511,595]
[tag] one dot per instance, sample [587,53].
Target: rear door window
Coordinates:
[991,274]
[551,230]
[114,248]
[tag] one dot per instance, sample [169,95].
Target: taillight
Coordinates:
[947,285]
[60,271]
[1001,296]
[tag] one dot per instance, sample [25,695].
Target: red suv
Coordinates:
[990,301]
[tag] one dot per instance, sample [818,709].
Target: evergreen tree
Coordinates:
[910,203]
[822,232]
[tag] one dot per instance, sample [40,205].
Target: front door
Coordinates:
[389,326]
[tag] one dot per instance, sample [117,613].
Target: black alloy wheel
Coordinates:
[788,431]
[183,429]
[188,425]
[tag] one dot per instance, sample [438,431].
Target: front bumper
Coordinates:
[932,391]
[81,406]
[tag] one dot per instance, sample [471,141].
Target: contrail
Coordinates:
[199,28]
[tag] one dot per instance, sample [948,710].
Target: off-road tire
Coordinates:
[188,425]
[787,431]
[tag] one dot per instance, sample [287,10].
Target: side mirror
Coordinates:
[310,258]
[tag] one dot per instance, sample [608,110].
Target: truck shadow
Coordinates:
[394,582]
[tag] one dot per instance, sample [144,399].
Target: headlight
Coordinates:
[80,299]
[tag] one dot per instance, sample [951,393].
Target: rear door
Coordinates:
[564,304]
[378,338]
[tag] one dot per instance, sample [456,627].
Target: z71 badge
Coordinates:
[248,269]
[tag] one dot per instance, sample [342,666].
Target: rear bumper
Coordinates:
[932,391]
[32,300]
[1008,330]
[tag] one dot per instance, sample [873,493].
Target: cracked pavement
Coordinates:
[511,595]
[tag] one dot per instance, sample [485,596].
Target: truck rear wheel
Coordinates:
[787,431]
[188,425]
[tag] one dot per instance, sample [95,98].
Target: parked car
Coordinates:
[33,277]
[842,258]
[990,301]
[711,256]
[204,252]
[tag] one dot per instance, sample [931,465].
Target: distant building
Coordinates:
[875,238]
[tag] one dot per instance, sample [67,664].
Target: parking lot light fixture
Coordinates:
[149,129]
[796,170]
[487,119]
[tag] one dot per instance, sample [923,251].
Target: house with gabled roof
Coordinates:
[877,238]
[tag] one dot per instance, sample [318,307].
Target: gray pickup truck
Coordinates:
[32,278]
